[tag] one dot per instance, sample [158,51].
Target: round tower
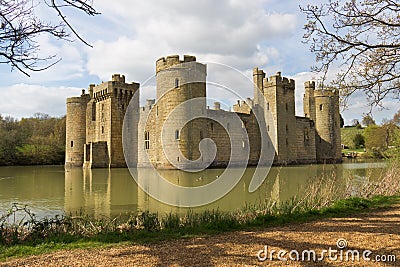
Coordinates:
[327,125]
[76,130]
[179,81]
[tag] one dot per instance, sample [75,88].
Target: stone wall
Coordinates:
[75,130]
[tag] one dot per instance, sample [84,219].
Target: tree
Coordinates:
[396,118]
[20,26]
[355,122]
[368,120]
[364,38]
[359,140]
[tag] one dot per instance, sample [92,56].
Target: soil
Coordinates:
[378,232]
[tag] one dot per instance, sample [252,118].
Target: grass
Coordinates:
[324,199]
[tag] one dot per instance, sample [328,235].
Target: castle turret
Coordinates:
[322,107]
[258,77]
[279,96]
[177,82]
[327,125]
[76,130]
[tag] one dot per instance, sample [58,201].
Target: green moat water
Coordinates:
[50,190]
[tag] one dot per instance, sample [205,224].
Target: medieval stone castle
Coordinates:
[95,122]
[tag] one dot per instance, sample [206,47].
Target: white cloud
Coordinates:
[23,100]
[229,32]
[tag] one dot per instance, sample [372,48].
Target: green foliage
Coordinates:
[358,141]
[348,136]
[36,140]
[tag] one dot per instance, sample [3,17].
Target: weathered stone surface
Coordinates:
[95,121]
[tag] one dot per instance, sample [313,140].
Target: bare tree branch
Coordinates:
[362,40]
[20,26]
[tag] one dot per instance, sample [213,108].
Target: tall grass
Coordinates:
[325,195]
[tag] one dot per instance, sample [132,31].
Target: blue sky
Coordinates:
[129,36]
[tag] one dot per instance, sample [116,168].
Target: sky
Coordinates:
[129,36]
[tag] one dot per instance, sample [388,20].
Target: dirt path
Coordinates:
[378,232]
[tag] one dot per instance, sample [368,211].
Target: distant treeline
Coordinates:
[37,140]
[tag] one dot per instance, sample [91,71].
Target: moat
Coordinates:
[49,190]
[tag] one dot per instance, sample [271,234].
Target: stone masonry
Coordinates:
[166,137]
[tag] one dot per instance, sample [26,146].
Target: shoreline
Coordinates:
[376,229]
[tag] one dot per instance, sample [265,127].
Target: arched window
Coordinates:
[177,134]
[176,83]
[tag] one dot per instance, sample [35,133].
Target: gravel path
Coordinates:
[378,232]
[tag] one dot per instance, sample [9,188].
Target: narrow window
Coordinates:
[287,142]
[147,140]
[72,143]
[102,129]
[267,106]
[123,106]
[177,134]
[287,128]
[176,83]
[268,128]
[212,127]
[156,110]
[93,111]
[201,134]
[321,107]
[287,107]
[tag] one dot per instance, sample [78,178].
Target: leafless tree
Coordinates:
[362,40]
[20,25]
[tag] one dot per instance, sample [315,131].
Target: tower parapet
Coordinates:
[164,63]
[278,80]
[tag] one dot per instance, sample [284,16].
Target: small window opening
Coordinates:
[321,107]
[72,143]
[287,107]
[147,140]
[212,127]
[176,83]
[177,134]
[267,106]
[102,129]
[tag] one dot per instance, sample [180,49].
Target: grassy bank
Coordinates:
[323,199]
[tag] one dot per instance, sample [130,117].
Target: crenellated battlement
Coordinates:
[326,92]
[278,80]
[164,63]
[309,85]
[118,78]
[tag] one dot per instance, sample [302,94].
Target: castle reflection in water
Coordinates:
[111,192]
